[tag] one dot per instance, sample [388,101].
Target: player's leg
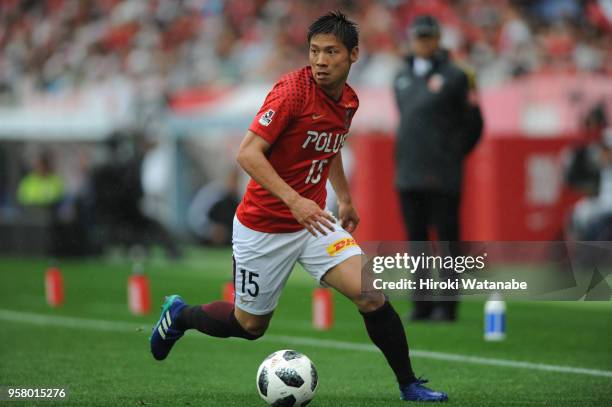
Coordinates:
[336,260]
[262,264]
[222,319]
[217,318]
[382,323]
[384,328]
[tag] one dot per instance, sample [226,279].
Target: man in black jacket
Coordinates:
[439,126]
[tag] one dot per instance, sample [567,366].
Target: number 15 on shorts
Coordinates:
[249,283]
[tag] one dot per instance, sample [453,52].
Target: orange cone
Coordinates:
[228,292]
[139,292]
[54,287]
[322,309]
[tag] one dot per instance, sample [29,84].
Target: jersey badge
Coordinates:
[266,118]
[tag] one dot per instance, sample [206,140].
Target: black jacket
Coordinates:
[438,126]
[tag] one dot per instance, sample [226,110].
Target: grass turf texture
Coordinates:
[115,368]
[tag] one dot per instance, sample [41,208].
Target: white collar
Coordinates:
[421,66]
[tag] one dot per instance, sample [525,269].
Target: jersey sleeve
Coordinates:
[281,106]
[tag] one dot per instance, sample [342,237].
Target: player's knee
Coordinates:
[367,302]
[254,329]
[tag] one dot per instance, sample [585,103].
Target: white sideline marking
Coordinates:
[115,326]
[450,357]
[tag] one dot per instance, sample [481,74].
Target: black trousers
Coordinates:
[424,210]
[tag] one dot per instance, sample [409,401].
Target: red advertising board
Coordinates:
[513,189]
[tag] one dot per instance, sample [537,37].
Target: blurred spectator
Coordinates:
[599,13]
[516,43]
[582,169]
[211,213]
[41,187]
[51,212]
[589,170]
[440,123]
[164,46]
[117,190]
[592,216]
[555,10]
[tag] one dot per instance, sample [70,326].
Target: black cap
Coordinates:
[425,26]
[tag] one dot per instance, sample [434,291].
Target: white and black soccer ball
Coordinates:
[287,378]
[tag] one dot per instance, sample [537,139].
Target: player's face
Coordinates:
[426,46]
[330,60]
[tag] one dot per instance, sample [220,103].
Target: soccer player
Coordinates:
[290,150]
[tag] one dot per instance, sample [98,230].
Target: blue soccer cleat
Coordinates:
[165,333]
[415,391]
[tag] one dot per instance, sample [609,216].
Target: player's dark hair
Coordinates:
[337,24]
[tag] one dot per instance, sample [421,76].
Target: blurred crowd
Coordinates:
[164,46]
[99,203]
[161,47]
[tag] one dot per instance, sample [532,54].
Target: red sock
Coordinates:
[214,319]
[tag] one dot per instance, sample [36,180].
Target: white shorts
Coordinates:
[264,261]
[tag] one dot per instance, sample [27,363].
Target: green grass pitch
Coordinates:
[108,363]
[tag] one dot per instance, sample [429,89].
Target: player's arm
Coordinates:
[346,211]
[251,157]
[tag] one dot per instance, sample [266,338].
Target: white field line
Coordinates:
[114,326]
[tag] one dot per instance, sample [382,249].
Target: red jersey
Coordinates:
[306,129]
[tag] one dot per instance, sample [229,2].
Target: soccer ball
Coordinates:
[287,378]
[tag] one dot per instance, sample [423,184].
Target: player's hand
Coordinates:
[313,218]
[348,217]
